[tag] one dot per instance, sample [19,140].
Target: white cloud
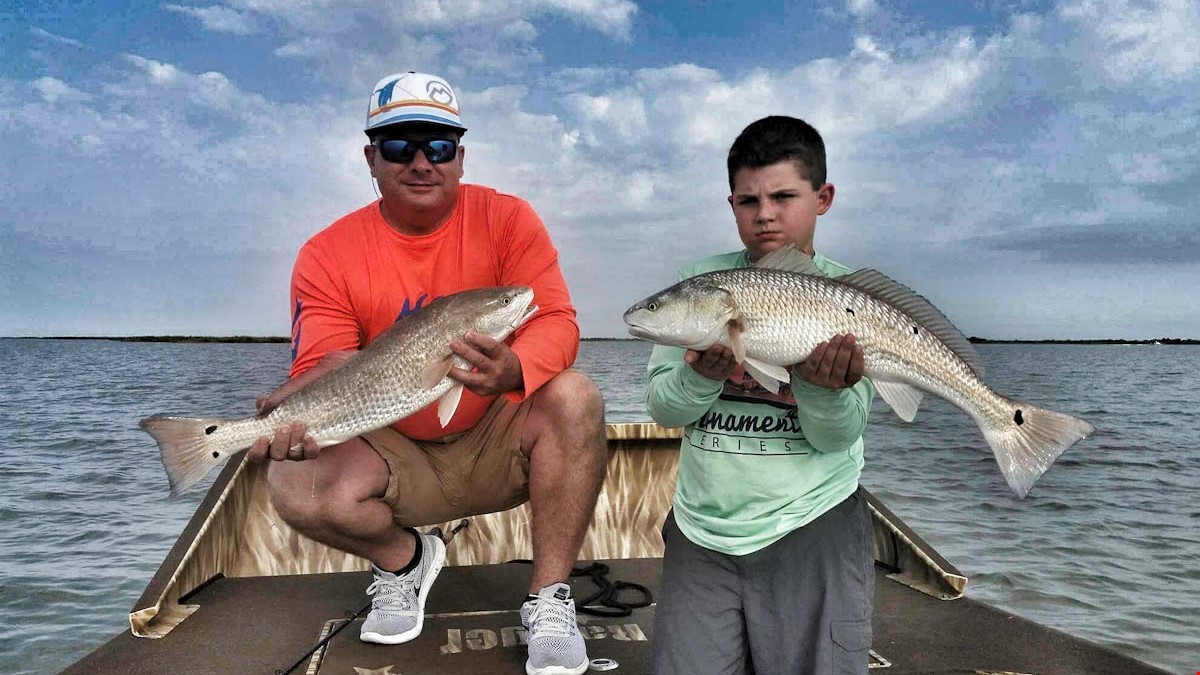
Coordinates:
[471,36]
[588,78]
[621,113]
[937,142]
[47,35]
[865,46]
[53,90]
[861,8]
[611,17]
[218,19]
[521,30]
[1140,168]
[1133,40]
[308,47]
[696,109]
[237,168]
[872,91]
[1110,142]
[159,72]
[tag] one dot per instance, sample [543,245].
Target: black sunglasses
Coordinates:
[399,151]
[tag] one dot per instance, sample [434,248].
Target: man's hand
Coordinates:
[291,441]
[715,363]
[495,368]
[836,364]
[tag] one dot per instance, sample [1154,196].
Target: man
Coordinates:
[526,428]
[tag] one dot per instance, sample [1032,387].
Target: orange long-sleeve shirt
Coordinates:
[353,280]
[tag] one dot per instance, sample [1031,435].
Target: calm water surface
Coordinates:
[1106,548]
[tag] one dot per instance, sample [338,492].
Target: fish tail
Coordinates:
[187,453]
[1026,440]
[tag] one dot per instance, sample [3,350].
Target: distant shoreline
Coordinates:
[250,339]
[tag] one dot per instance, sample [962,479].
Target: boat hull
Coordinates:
[240,592]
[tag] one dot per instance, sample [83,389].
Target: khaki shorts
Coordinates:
[479,471]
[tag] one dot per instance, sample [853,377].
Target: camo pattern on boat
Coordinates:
[237,533]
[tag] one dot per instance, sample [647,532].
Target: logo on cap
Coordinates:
[413,97]
[439,92]
[385,93]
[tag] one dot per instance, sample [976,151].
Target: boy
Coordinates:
[769,562]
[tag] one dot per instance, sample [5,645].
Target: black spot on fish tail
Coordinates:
[1019,418]
[209,430]
[915,331]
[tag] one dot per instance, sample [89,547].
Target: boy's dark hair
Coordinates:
[777,138]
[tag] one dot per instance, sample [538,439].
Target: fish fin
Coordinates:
[1029,439]
[902,398]
[923,313]
[766,374]
[183,443]
[790,259]
[448,403]
[734,329]
[435,371]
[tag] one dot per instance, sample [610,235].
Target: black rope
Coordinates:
[607,601]
[437,531]
[349,620]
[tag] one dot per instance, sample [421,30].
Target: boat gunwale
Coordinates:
[909,558]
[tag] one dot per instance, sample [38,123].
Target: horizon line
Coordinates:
[270,339]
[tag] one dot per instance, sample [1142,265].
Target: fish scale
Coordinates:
[399,373]
[811,309]
[775,313]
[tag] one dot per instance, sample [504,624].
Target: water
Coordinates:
[1105,548]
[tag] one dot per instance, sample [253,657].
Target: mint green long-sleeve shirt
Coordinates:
[753,465]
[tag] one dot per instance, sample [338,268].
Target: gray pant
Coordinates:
[801,606]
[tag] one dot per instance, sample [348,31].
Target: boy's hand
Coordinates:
[715,363]
[836,364]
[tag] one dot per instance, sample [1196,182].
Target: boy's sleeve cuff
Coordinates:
[811,392]
[696,384]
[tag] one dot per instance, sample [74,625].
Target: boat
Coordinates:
[241,592]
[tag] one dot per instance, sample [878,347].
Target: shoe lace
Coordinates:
[397,594]
[552,618]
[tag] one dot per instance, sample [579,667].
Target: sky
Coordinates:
[1028,166]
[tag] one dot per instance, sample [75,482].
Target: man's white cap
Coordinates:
[413,97]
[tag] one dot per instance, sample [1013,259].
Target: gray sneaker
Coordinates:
[555,644]
[398,608]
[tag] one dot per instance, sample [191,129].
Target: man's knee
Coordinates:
[571,398]
[338,476]
[284,486]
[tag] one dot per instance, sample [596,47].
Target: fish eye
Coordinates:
[506,300]
[652,306]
